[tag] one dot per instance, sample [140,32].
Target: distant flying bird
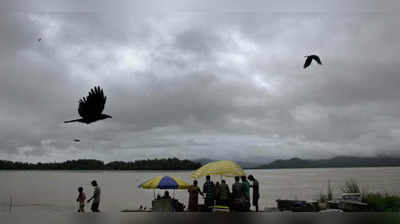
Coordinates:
[77,140]
[39,39]
[309,60]
[91,107]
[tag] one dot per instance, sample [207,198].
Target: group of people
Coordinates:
[214,194]
[96,198]
[219,194]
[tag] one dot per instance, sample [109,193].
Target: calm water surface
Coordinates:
[57,190]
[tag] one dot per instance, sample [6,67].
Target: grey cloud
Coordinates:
[193,85]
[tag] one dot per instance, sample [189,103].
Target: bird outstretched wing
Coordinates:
[92,105]
[316,58]
[308,62]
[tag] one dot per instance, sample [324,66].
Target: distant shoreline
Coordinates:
[91,164]
[174,164]
[1,170]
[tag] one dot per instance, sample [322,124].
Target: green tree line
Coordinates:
[91,164]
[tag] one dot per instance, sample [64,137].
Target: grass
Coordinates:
[379,202]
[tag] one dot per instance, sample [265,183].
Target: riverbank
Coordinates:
[197,218]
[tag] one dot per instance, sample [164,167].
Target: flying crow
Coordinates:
[91,107]
[309,60]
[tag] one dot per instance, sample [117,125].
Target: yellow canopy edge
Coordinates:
[223,167]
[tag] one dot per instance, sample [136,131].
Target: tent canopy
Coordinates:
[223,167]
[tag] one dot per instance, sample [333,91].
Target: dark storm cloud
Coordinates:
[205,83]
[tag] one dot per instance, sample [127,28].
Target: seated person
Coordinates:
[166,195]
[178,207]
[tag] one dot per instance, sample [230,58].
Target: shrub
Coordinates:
[382,202]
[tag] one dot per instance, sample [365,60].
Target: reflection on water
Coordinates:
[57,190]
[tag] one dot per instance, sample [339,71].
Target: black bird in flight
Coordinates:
[77,140]
[310,58]
[91,107]
[39,39]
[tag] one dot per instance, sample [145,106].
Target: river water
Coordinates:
[56,191]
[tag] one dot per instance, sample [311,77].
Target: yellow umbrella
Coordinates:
[223,167]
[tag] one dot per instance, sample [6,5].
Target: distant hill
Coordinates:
[336,162]
[244,165]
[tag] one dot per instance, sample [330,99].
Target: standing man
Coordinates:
[246,193]
[95,197]
[216,193]
[237,189]
[237,192]
[256,191]
[224,193]
[208,189]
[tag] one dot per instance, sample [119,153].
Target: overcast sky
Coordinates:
[191,80]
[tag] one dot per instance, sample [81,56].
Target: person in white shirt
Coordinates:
[95,197]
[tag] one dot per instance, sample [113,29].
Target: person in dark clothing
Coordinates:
[256,191]
[217,192]
[224,194]
[166,195]
[209,191]
[237,189]
[237,194]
